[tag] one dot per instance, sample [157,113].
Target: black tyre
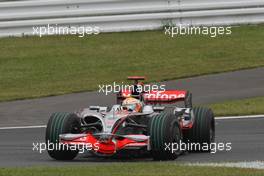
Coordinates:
[164,132]
[203,131]
[61,123]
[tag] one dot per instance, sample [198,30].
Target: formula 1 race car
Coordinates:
[140,121]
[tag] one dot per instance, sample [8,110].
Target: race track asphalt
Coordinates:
[246,135]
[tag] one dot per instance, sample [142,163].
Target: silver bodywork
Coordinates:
[109,118]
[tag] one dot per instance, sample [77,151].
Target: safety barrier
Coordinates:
[19,17]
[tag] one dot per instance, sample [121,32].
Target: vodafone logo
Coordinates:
[164,95]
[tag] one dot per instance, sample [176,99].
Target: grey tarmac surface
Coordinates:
[246,136]
[205,89]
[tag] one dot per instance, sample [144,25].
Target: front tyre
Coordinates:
[165,132]
[61,123]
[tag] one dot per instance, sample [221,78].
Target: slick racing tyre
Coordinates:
[203,130]
[164,132]
[61,123]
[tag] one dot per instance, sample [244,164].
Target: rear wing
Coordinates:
[136,78]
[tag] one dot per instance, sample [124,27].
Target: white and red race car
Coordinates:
[157,129]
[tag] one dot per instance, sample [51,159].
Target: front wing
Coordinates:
[108,144]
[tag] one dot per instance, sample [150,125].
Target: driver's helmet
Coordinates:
[132,104]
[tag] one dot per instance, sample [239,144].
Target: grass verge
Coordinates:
[52,65]
[138,169]
[248,106]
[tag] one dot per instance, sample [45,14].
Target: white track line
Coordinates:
[22,127]
[240,117]
[217,118]
[250,164]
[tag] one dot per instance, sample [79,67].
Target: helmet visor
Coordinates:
[130,107]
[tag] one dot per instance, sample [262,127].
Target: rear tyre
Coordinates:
[61,123]
[164,132]
[203,131]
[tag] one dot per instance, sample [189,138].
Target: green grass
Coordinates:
[249,106]
[138,169]
[34,67]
